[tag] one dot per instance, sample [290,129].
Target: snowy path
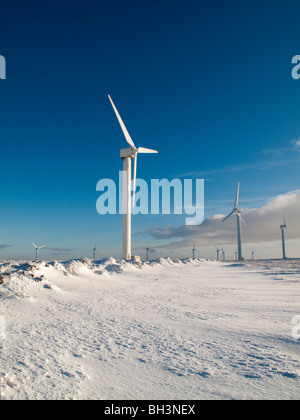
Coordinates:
[172,331]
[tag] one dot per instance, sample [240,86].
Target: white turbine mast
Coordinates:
[37,248]
[239,219]
[127,155]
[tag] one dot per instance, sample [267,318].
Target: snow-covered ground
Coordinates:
[164,330]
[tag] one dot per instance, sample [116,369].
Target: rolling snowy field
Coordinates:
[164,330]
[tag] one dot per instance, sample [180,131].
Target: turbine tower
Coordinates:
[147,252]
[283,228]
[37,248]
[253,255]
[239,219]
[128,154]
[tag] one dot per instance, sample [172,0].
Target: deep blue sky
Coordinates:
[208,84]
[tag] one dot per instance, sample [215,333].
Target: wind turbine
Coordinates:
[239,219]
[223,255]
[218,253]
[128,154]
[94,250]
[37,248]
[283,228]
[253,253]
[147,251]
[194,251]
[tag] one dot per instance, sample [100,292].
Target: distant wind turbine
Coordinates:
[283,228]
[253,255]
[194,251]
[147,251]
[37,248]
[94,250]
[223,255]
[239,218]
[218,253]
[127,155]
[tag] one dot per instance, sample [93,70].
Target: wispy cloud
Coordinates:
[293,144]
[286,155]
[4,246]
[59,250]
[296,143]
[262,225]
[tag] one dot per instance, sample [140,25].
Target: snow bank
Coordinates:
[17,278]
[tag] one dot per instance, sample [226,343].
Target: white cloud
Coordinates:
[296,143]
[262,225]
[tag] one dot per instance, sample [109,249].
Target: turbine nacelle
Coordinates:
[131,152]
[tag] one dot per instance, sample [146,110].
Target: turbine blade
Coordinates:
[227,217]
[237,196]
[288,232]
[143,150]
[124,129]
[240,216]
[35,246]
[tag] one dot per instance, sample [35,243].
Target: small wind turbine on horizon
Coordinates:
[194,251]
[147,251]
[283,228]
[37,248]
[239,218]
[218,253]
[253,255]
[127,155]
[94,250]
